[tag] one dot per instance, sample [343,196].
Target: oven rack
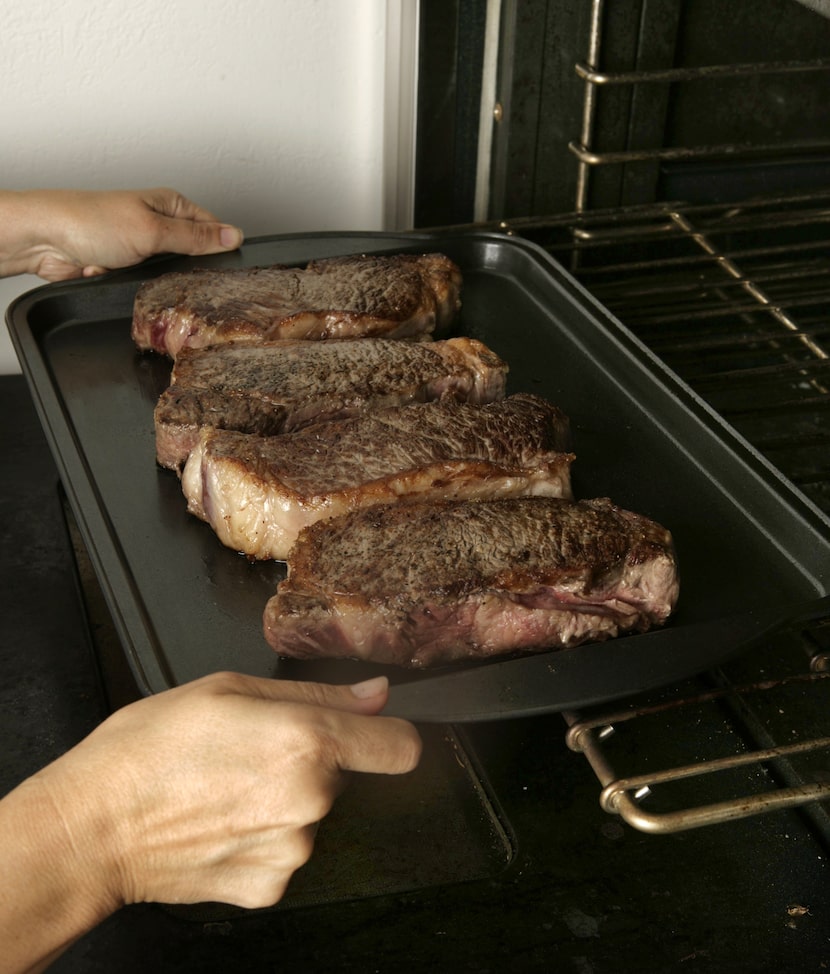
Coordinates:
[783,774]
[590,156]
[733,298]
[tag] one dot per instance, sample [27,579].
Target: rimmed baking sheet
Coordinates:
[184,605]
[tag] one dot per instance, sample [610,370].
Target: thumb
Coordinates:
[188,228]
[195,237]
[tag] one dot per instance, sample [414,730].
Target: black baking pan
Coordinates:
[751,548]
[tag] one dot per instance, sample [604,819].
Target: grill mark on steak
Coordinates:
[277,387]
[432,583]
[257,492]
[400,296]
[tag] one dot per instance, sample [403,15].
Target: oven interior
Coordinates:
[674,156]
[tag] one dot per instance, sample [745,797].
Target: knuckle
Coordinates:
[318,807]
[302,848]
[257,895]
[312,745]
[202,234]
[224,681]
[407,747]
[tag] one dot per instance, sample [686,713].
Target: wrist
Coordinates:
[24,233]
[56,885]
[31,221]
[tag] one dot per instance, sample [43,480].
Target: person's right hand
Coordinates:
[60,234]
[213,790]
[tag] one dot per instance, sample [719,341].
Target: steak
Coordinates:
[401,296]
[432,583]
[258,492]
[278,387]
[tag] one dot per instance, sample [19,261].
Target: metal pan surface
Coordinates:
[185,606]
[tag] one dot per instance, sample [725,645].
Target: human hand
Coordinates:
[63,234]
[213,790]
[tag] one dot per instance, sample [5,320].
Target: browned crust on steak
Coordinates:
[277,387]
[426,584]
[258,492]
[398,296]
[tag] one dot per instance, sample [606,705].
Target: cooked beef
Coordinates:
[258,492]
[278,387]
[401,296]
[430,583]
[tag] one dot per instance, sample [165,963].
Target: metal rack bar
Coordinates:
[589,155]
[589,105]
[705,72]
[731,269]
[624,796]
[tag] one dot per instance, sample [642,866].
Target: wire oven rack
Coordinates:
[734,298]
[590,156]
[779,775]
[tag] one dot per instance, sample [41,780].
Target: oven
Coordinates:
[672,157]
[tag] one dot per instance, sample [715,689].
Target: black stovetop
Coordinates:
[541,878]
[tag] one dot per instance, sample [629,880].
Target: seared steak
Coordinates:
[258,492]
[278,387]
[431,583]
[401,296]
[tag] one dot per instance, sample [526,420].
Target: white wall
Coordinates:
[271,113]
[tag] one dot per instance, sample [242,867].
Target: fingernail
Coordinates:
[230,237]
[370,688]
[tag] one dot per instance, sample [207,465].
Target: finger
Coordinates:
[367,697]
[380,745]
[360,740]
